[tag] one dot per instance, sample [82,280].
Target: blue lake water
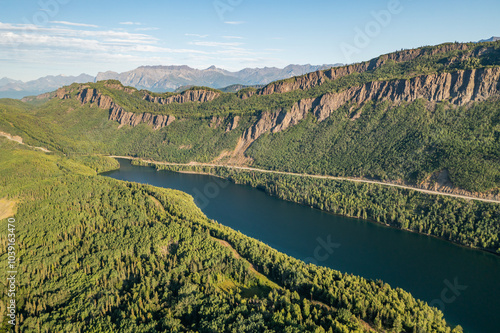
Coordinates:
[462,282]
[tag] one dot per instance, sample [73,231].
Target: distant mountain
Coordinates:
[16,89]
[6,81]
[231,89]
[170,78]
[162,78]
[492,39]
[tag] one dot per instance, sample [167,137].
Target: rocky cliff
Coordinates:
[184,97]
[87,95]
[229,123]
[458,88]
[313,79]
[134,119]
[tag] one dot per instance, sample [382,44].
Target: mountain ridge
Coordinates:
[160,78]
[170,78]
[429,120]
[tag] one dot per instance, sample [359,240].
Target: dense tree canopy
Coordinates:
[100,255]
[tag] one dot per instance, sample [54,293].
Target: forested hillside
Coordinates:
[100,255]
[470,223]
[405,116]
[428,117]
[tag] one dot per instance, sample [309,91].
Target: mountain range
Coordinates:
[491,39]
[161,78]
[10,88]
[401,139]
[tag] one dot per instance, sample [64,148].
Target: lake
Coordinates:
[463,283]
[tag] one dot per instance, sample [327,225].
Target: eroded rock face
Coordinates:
[87,95]
[314,79]
[458,88]
[117,113]
[229,123]
[134,119]
[185,97]
[233,123]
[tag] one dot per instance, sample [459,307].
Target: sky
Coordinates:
[70,37]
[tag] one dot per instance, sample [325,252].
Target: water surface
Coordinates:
[462,282]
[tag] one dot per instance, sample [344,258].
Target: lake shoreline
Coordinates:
[154,164]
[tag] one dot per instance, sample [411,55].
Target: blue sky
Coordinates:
[70,37]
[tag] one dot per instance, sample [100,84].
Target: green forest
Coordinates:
[101,255]
[408,142]
[466,222]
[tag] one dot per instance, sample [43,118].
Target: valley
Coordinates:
[410,140]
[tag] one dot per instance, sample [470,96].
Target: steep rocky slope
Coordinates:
[184,97]
[317,78]
[88,95]
[169,78]
[458,88]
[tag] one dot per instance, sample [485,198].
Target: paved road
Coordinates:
[356,180]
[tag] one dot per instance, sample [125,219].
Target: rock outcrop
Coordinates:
[117,113]
[87,95]
[233,123]
[317,78]
[458,88]
[184,97]
[230,123]
[134,119]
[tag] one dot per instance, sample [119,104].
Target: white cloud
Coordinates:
[25,37]
[130,23]
[75,24]
[146,29]
[196,35]
[85,47]
[234,22]
[214,44]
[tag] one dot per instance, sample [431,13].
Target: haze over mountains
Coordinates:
[491,39]
[161,78]
[10,88]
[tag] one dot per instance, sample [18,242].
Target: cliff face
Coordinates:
[186,96]
[229,123]
[458,88]
[88,95]
[311,80]
[134,119]
[116,112]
